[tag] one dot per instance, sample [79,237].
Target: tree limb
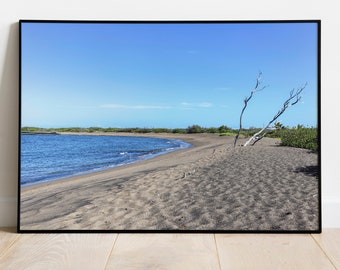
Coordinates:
[288,103]
[246,100]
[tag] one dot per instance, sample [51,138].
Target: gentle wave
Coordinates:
[51,157]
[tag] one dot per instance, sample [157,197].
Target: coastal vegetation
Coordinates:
[300,136]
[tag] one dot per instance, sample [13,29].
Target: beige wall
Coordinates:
[13,10]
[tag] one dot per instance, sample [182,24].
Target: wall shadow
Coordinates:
[9,115]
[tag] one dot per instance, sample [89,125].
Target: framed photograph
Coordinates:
[169,126]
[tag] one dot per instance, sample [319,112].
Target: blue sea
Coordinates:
[48,157]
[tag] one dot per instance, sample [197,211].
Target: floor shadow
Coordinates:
[309,170]
[11,230]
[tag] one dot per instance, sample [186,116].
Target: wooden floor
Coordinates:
[169,251]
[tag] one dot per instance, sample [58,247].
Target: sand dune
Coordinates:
[212,186]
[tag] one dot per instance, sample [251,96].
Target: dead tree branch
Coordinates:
[246,100]
[294,98]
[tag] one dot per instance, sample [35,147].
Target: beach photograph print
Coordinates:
[169,126]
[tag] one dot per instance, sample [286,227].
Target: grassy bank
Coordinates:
[300,136]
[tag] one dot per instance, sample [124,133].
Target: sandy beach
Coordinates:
[211,186]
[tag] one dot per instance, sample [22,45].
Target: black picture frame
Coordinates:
[41,198]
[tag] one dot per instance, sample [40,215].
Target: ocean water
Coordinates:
[50,157]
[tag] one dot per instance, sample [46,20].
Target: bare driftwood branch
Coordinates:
[294,98]
[246,100]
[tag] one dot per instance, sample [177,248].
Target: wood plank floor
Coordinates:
[170,251]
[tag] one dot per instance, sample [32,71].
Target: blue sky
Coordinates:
[166,75]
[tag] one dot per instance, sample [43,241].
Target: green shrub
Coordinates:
[211,130]
[300,137]
[179,131]
[161,130]
[194,129]
[30,129]
[224,129]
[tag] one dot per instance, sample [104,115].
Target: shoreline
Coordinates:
[195,140]
[115,134]
[212,186]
